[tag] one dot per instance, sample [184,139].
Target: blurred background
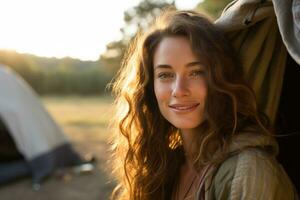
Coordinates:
[68,51]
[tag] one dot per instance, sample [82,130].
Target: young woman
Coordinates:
[187,124]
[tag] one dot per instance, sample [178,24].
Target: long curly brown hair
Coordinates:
[147,149]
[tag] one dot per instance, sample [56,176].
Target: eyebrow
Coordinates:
[191,64]
[166,66]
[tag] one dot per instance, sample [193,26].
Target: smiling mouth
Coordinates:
[184,107]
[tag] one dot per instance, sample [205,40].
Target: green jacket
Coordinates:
[262,32]
[251,172]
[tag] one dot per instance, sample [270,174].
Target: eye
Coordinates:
[197,73]
[165,75]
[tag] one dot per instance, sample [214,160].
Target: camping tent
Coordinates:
[266,35]
[30,140]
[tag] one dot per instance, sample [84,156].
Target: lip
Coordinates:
[184,108]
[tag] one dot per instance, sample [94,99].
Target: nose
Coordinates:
[180,87]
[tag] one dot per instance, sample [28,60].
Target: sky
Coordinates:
[60,28]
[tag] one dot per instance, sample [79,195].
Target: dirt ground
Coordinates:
[88,138]
[70,186]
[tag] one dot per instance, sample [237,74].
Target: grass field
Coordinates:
[84,120]
[81,117]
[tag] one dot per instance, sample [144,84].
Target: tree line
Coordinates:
[58,76]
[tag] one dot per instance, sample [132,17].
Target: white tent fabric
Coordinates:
[35,134]
[32,128]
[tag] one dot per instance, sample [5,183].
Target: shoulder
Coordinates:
[251,174]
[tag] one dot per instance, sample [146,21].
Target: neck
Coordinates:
[188,139]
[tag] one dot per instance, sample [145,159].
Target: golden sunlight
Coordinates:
[60,28]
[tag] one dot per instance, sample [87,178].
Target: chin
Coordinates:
[186,125]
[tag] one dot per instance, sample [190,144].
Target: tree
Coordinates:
[136,18]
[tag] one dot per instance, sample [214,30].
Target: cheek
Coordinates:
[158,90]
[161,91]
[201,90]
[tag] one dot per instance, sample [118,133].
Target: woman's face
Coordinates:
[179,83]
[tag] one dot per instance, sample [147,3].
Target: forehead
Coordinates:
[174,50]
